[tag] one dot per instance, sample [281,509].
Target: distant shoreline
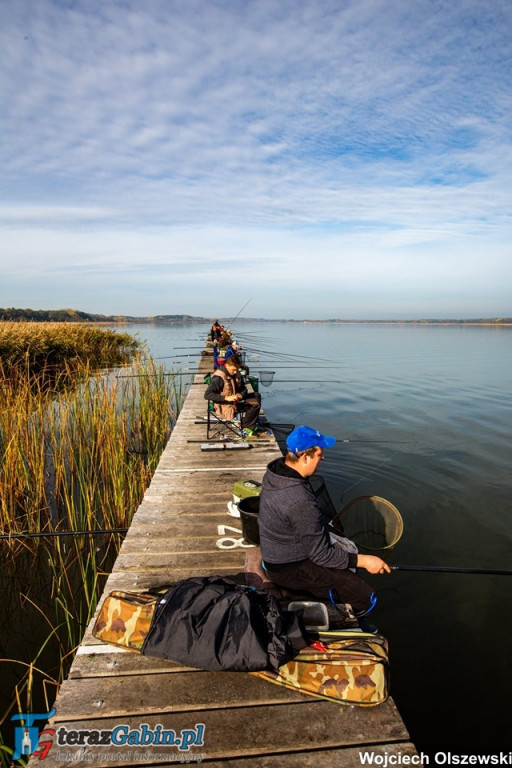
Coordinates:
[77,316]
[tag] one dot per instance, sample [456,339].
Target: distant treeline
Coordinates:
[76,316]
[465,321]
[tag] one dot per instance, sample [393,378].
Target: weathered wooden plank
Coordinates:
[192,455]
[145,579]
[224,460]
[211,475]
[177,505]
[185,525]
[169,497]
[158,545]
[195,562]
[234,733]
[100,660]
[167,692]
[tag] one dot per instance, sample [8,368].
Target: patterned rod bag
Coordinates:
[352,669]
[125,618]
[346,667]
[207,622]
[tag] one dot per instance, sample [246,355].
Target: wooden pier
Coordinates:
[182,528]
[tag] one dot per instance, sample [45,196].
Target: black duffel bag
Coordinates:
[215,624]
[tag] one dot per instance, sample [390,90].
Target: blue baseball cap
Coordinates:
[304,437]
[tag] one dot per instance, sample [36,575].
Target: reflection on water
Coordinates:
[427,415]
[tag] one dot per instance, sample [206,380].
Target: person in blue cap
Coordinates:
[296,546]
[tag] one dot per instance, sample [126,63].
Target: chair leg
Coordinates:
[215,425]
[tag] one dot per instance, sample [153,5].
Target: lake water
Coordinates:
[427,411]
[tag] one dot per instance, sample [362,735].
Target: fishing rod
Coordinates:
[150,375]
[55,534]
[287,428]
[342,440]
[295,381]
[450,569]
[234,441]
[170,357]
[244,306]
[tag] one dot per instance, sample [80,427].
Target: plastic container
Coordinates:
[314,615]
[244,488]
[249,510]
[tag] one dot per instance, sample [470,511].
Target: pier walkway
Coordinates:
[182,528]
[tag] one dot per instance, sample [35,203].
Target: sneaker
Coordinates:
[254,433]
[367,626]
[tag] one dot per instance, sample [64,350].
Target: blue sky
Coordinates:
[348,158]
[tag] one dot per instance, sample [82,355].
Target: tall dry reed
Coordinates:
[31,348]
[77,451]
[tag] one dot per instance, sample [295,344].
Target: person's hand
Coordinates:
[372,564]
[232,398]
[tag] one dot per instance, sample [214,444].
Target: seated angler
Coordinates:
[229,395]
[221,349]
[216,331]
[297,549]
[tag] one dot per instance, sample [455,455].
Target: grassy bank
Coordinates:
[77,451]
[55,349]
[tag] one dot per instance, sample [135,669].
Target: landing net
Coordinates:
[373,523]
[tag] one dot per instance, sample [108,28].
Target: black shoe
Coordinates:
[367,626]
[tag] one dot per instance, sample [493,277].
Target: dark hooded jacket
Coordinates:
[291,525]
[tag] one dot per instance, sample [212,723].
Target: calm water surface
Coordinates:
[427,411]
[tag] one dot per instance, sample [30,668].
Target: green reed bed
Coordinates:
[31,348]
[77,451]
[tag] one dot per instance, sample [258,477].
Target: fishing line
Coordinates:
[54,534]
[373,470]
[285,357]
[287,428]
[169,357]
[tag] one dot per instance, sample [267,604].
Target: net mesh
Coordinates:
[266,377]
[370,522]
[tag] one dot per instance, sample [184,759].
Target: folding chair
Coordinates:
[216,426]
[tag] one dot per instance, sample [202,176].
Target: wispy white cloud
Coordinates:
[268,138]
